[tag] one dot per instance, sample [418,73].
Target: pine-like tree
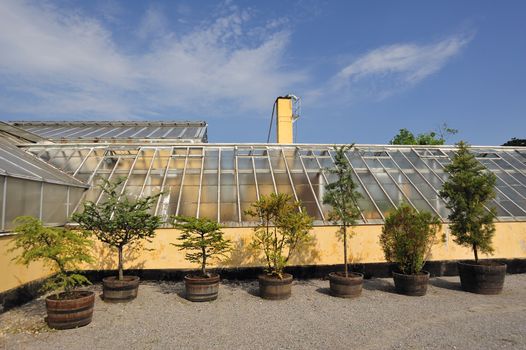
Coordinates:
[468,192]
[119,221]
[202,238]
[342,196]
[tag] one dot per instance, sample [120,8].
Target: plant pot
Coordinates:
[201,288]
[74,311]
[482,278]
[346,287]
[412,285]
[115,291]
[275,288]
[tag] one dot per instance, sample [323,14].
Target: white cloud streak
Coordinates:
[62,63]
[388,69]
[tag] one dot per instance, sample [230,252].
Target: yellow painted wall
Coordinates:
[326,249]
[284,120]
[12,274]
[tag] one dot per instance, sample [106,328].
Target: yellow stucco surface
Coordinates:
[284,120]
[12,274]
[325,249]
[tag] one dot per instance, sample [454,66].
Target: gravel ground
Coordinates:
[160,318]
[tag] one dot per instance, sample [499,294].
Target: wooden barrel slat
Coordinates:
[346,287]
[484,278]
[274,288]
[202,289]
[116,291]
[70,313]
[412,285]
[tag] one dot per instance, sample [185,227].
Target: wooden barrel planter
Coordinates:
[275,288]
[115,291]
[483,278]
[412,285]
[201,288]
[75,310]
[345,287]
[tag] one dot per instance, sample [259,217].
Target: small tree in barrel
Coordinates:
[342,196]
[202,238]
[62,249]
[468,192]
[408,236]
[119,221]
[281,230]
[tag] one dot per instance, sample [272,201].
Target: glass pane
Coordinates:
[54,204]
[22,198]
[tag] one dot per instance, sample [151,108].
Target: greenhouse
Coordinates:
[51,180]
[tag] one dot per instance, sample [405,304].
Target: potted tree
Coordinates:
[407,238]
[203,240]
[342,196]
[281,230]
[468,192]
[119,222]
[63,251]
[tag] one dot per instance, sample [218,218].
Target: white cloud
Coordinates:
[388,69]
[63,63]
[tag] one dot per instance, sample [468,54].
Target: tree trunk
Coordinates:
[121,272]
[203,263]
[345,251]
[476,253]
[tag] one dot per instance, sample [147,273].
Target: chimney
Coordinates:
[284,119]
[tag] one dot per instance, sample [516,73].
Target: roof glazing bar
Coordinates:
[200,184]
[424,178]
[182,181]
[411,182]
[361,183]
[255,175]
[153,132]
[83,161]
[168,132]
[290,177]
[155,153]
[514,168]
[164,180]
[396,183]
[109,179]
[312,188]
[219,185]
[237,185]
[138,132]
[271,170]
[375,178]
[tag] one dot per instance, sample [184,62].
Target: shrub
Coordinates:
[281,229]
[202,238]
[468,192]
[407,238]
[61,249]
[119,221]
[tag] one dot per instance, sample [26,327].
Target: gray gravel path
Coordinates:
[160,318]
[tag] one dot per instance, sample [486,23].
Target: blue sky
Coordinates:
[363,69]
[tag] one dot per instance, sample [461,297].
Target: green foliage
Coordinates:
[281,229]
[407,237]
[438,137]
[515,142]
[202,238]
[342,196]
[119,221]
[61,249]
[468,192]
